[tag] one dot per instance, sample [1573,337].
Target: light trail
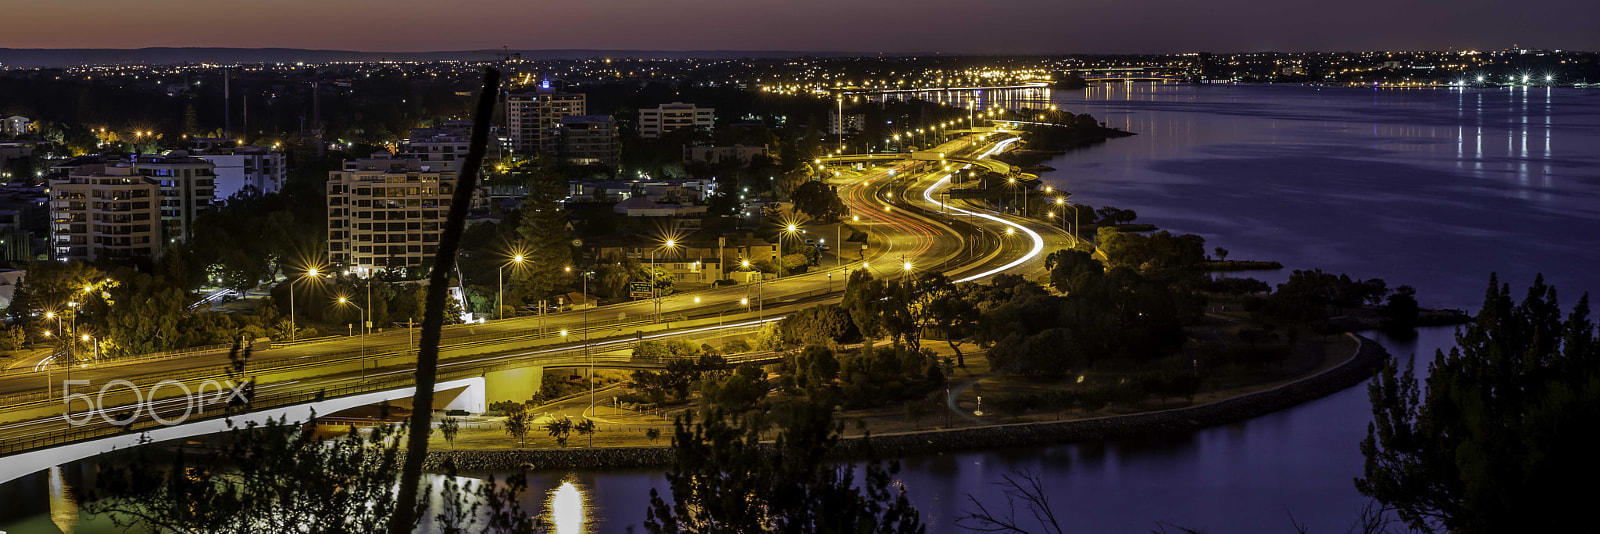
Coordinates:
[1038,241]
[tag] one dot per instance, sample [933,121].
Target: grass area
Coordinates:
[623,428]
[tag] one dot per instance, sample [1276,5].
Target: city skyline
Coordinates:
[895,27]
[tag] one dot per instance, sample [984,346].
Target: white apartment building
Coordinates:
[444,146]
[248,170]
[851,124]
[102,211]
[386,213]
[666,118]
[532,117]
[15,125]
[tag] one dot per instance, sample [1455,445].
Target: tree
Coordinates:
[819,200]
[448,428]
[518,422]
[1073,271]
[1503,432]
[545,242]
[560,429]
[955,315]
[722,479]
[1019,486]
[586,428]
[1400,313]
[1221,253]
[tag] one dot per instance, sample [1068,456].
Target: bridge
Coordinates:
[505,360]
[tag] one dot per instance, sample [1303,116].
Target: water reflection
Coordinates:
[63,507]
[567,512]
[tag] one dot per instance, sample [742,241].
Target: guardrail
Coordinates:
[53,439]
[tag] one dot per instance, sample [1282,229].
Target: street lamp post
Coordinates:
[788,230]
[655,277]
[363,316]
[499,305]
[294,328]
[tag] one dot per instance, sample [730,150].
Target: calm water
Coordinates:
[1432,188]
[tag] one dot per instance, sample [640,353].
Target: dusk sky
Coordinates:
[1004,26]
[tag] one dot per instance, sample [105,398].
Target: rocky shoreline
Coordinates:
[1369,356]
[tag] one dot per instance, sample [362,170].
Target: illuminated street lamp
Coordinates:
[669,244]
[363,316]
[501,273]
[788,230]
[294,329]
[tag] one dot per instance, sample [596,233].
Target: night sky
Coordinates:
[895,26]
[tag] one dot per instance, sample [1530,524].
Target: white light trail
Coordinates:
[1038,241]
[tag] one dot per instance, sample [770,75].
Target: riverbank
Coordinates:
[1366,359]
[1041,143]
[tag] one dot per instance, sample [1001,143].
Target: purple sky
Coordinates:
[968,26]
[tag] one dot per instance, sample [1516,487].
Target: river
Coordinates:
[1433,188]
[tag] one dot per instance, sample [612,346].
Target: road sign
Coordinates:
[639,290]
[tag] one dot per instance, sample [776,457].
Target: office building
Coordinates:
[532,117]
[666,118]
[386,213]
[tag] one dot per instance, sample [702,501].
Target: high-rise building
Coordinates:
[246,169]
[665,118]
[533,116]
[847,124]
[187,185]
[588,140]
[100,211]
[386,213]
[188,189]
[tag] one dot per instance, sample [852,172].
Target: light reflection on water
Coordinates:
[63,506]
[567,512]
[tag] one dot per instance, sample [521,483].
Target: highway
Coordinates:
[899,208]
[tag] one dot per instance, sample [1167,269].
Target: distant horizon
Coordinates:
[894,27]
[15,57]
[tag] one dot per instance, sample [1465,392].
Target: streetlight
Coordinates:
[294,329]
[501,273]
[363,316]
[789,230]
[655,277]
[1062,201]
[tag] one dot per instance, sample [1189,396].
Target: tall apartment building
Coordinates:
[246,169]
[445,145]
[532,117]
[188,189]
[847,124]
[101,211]
[665,118]
[588,140]
[386,213]
[187,185]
